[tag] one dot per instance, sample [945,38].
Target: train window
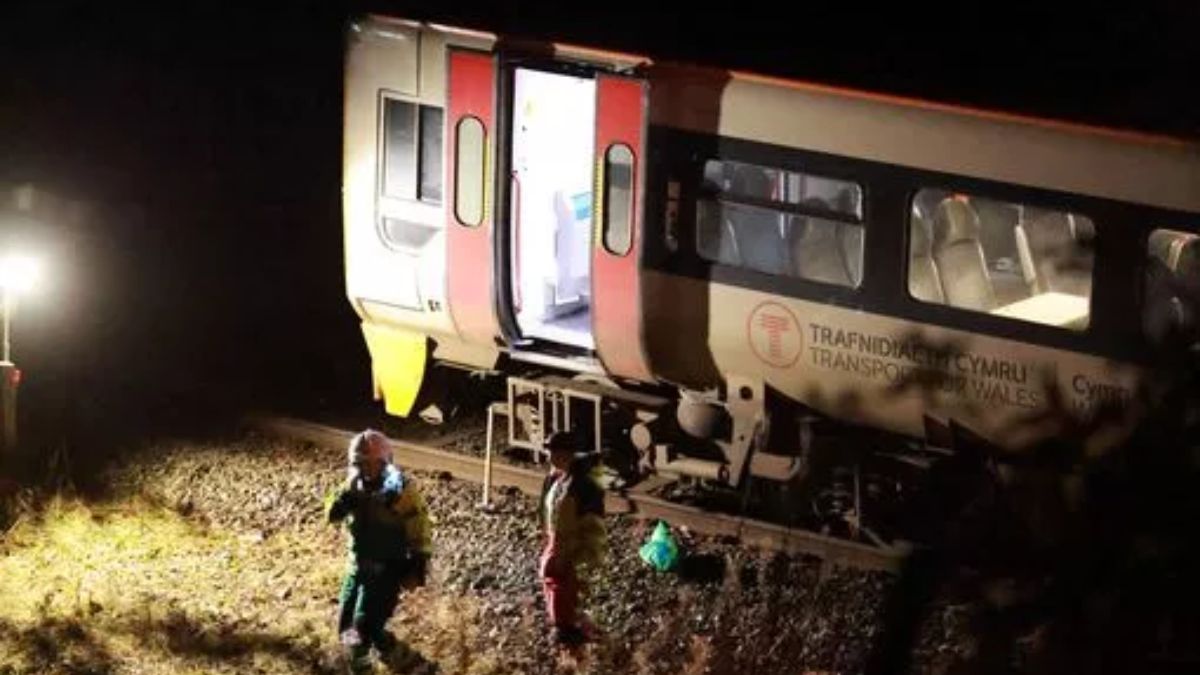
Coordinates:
[618,199]
[408,234]
[412,169]
[430,188]
[1171,309]
[469,169]
[781,222]
[1002,258]
[752,182]
[399,148]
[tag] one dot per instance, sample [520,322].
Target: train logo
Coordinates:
[774,334]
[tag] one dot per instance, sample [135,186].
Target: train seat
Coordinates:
[924,282]
[1051,248]
[817,252]
[958,254]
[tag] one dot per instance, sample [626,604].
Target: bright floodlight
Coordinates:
[19,273]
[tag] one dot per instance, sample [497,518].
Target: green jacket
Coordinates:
[387,521]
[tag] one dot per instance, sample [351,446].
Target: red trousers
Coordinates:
[560,587]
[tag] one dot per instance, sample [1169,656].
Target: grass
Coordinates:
[131,586]
[89,587]
[193,563]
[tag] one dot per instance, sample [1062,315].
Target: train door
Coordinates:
[471,96]
[620,165]
[551,171]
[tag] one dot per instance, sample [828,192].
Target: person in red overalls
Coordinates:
[572,515]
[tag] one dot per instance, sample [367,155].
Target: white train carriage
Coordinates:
[746,251]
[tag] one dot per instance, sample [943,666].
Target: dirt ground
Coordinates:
[214,558]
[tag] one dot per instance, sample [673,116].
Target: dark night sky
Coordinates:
[104,95]
[222,128]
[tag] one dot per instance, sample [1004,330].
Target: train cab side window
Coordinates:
[1171,307]
[1001,258]
[780,222]
[412,151]
[430,166]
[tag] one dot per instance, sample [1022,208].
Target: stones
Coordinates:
[766,613]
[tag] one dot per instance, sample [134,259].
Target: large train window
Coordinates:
[412,151]
[1002,258]
[781,222]
[1172,295]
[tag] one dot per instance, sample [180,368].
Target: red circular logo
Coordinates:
[774,334]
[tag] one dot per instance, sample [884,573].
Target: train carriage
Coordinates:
[741,259]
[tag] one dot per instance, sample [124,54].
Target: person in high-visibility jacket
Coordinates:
[572,515]
[389,544]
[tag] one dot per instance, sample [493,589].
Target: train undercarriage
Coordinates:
[757,454]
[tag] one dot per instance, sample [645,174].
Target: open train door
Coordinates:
[550,183]
[470,236]
[620,160]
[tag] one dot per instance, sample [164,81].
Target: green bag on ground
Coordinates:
[661,551]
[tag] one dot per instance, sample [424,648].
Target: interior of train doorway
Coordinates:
[553,134]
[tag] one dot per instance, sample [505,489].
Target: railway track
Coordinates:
[750,532]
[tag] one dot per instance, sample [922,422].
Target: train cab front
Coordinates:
[492,206]
[397,186]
